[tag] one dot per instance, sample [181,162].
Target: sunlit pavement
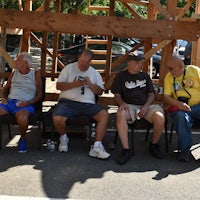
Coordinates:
[40,174]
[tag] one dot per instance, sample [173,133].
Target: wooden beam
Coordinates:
[125,56]
[56,40]
[196,44]
[100,25]
[166,54]
[162,10]
[152,12]
[26,32]
[41,8]
[134,13]
[153,51]
[7,57]
[39,43]
[44,41]
[182,12]
[142,3]
[167,50]
[147,47]
[172,8]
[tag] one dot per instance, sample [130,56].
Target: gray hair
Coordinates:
[27,57]
[177,60]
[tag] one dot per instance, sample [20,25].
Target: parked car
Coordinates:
[70,55]
[130,41]
[180,48]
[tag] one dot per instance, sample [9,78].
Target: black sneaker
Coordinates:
[184,156]
[155,151]
[125,156]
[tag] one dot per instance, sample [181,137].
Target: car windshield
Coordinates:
[116,49]
[181,43]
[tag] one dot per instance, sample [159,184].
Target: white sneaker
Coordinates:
[99,152]
[63,146]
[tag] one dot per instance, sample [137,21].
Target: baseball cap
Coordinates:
[134,57]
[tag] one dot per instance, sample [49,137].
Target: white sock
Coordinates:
[63,136]
[97,144]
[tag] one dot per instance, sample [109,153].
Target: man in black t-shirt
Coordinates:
[134,94]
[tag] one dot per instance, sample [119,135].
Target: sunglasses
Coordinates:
[82,90]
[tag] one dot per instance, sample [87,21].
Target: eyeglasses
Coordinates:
[82,90]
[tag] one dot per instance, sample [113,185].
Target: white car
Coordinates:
[180,48]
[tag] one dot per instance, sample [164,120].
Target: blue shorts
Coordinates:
[70,109]
[11,107]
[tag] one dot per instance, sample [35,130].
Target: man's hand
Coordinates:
[22,103]
[87,81]
[4,101]
[184,106]
[124,107]
[143,111]
[77,83]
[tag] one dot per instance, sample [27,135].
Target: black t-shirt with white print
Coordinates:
[133,88]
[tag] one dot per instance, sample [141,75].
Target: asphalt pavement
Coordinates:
[42,174]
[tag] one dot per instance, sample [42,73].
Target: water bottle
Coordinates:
[48,144]
[52,146]
[93,134]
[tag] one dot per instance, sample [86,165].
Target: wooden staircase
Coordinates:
[100,45]
[97,52]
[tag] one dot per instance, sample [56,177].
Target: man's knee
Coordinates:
[158,118]
[180,115]
[59,119]
[22,117]
[102,116]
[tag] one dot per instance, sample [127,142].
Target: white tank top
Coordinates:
[23,86]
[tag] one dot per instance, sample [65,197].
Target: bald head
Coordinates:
[176,66]
[175,60]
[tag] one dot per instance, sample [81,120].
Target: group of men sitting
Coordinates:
[134,94]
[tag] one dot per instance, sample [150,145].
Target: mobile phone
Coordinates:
[80,78]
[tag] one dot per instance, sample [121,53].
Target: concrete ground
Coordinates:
[41,174]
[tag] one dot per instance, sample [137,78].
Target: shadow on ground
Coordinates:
[61,173]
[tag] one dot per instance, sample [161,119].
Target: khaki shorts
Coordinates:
[152,109]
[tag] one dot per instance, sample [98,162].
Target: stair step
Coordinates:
[99,52]
[105,8]
[94,41]
[98,62]
[101,71]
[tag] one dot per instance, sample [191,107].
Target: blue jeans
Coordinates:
[183,122]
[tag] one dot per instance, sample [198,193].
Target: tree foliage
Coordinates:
[120,10]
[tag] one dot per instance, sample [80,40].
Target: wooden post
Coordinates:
[196,44]
[44,42]
[152,14]
[109,46]
[55,41]
[168,50]
[26,32]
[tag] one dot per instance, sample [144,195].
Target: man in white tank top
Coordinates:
[22,90]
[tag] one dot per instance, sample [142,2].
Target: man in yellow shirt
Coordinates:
[182,93]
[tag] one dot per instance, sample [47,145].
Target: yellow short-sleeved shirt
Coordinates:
[191,81]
